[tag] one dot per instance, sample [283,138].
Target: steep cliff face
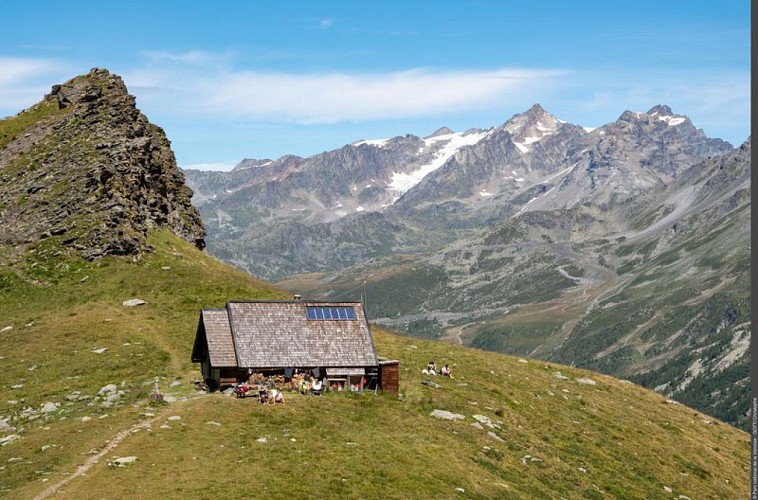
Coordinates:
[85,167]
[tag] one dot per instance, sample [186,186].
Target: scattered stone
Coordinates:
[12,402]
[495,437]
[529,458]
[164,426]
[6,329]
[15,459]
[174,418]
[477,425]
[560,376]
[672,402]
[293,440]
[100,350]
[107,389]
[133,303]
[31,368]
[86,419]
[473,403]
[175,383]
[522,360]
[8,439]
[460,490]
[431,384]
[166,268]
[148,414]
[121,461]
[212,422]
[104,415]
[84,279]
[483,419]
[586,381]
[49,407]
[47,447]
[582,469]
[667,489]
[17,386]
[169,399]
[446,415]
[262,440]
[350,443]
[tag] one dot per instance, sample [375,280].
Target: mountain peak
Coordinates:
[91,172]
[440,131]
[660,109]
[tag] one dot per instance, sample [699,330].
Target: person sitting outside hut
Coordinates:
[431,368]
[317,387]
[446,371]
[276,397]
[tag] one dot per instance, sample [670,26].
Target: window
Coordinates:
[330,313]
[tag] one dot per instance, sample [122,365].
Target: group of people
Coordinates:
[313,386]
[431,369]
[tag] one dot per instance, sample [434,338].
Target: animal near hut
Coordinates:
[329,340]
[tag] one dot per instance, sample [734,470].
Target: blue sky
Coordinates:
[260,79]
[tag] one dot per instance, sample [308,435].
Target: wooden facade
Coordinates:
[332,340]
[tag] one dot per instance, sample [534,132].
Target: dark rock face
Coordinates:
[88,167]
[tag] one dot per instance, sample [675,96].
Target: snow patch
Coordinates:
[521,147]
[671,120]
[402,182]
[484,194]
[359,209]
[377,143]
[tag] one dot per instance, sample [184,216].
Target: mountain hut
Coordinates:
[331,340]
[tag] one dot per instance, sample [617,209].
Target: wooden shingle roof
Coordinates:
[219,337]
[280,335]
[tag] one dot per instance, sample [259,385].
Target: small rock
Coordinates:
[495,437]
[8,439]
[47,447]
[6,329]
[107,389]
[667,489]
[460,490]
[582,469]
[133,303]
[84,279]
[166,268]
[175,383]
[15,459]
[100,350]
[560,376]
[17,386]
[262,440]
[174,418]
[521,360]
[86,419]
[431,384]
[169,399]
[211,422]
[586,381]
[477,425]
[121,461]
[31,368]
[446,415]
[49,407]
[483,419]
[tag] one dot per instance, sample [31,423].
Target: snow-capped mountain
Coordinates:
[624,249]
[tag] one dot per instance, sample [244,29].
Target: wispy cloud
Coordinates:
[338,97]
[217,167]
[24,81]
[326,23]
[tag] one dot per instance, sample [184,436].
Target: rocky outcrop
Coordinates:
[85,167]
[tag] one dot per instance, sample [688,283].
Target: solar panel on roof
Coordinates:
[330,313]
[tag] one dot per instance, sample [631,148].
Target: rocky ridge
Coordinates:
[86,168]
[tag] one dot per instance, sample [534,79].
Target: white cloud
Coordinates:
[24,81]
[217,167]
[326,23]
[338,97]
[195,57]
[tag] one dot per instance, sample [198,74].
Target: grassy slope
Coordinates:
[609,439]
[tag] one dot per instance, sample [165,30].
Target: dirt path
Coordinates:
[91,461]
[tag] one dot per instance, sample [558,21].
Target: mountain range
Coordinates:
[623,249]
[101,282]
